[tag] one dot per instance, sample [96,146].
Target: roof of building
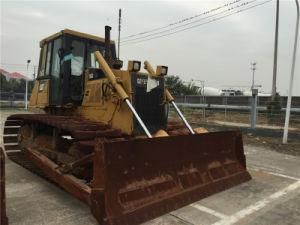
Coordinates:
[13,75]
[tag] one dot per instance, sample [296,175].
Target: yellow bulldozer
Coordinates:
[102,134]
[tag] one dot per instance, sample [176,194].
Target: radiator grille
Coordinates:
[149,105]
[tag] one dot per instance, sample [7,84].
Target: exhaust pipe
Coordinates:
[107,53]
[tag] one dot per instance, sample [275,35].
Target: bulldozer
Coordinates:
[102,133]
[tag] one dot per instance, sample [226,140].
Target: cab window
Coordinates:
[91,60]
[48,60]
[43,61]
[77,58]
[55,58]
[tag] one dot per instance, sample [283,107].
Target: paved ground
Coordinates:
[271,197]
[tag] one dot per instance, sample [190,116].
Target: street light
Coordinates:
[288,106]
[253,68]
[26,89]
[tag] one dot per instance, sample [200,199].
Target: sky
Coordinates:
[219,52]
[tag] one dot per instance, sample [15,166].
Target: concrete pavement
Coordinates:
[271,197]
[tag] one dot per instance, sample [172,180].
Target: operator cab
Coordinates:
[64,57]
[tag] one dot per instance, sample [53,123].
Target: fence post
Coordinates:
[254,108]
[225,107]
[203,114]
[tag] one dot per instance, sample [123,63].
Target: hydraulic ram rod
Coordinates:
[170,99]
[138,118]
[123,95]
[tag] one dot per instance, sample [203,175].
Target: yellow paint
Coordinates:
[108,107]
[40,94]
[110,76]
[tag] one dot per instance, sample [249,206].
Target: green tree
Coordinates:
[178,87]
[4,86]
[14,85]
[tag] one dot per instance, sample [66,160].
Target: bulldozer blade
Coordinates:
[137,180]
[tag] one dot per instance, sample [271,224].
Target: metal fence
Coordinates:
[210,109]
[12,100]
[237,110]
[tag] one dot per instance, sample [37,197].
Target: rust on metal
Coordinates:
[126,180]
[3,216]
[10,139]
[70,183]
[67,168]
[10,130]
[142,179]
[13,123]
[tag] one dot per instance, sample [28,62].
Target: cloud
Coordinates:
[219,52]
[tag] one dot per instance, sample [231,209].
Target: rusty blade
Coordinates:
[140,179]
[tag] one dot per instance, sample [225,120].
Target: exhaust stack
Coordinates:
[107,54]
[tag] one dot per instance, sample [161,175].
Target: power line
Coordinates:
[204,22]
[14,64]
[196,21]
[183,20]
[191,27]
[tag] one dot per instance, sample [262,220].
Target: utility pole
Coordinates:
[26,87]
[120,12]
[254,107]
[289,102]
[34,72]
[275,52]
[254,98]
[253,68]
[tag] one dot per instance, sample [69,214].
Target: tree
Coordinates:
[14,85]
[177,87]
[4,87]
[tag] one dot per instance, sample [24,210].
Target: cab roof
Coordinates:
[73,33]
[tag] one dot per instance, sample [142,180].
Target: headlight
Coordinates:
[134,66]
[161,70]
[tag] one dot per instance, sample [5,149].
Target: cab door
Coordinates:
[77,61]
[54,72]
[46,89]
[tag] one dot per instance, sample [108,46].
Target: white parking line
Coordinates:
[258,205]
[226,217]
[209,211]
[273,173]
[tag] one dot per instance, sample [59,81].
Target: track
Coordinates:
[77,129]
